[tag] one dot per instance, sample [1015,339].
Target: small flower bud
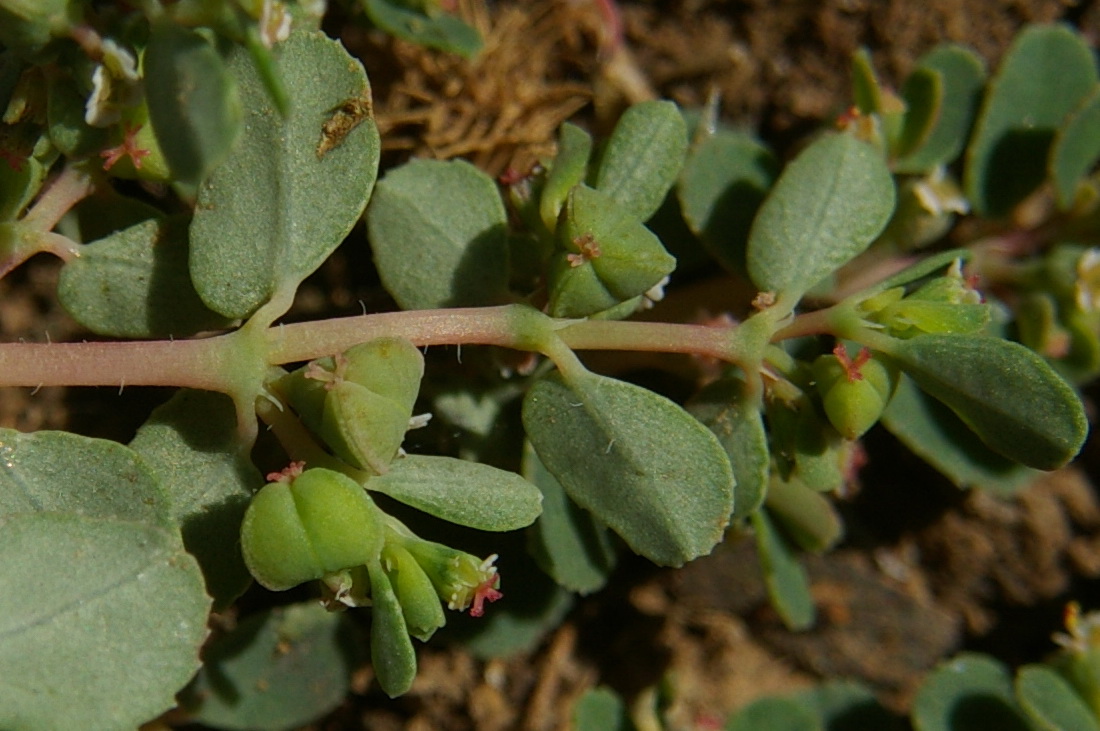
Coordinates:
[854,392]
[462,580]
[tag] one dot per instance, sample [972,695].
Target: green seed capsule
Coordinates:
[855,393]
[305,526]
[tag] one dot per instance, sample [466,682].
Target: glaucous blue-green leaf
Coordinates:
[923,95]
[721,187]
[1076,149]
[774,713]
[191,445]
[962,78]
[725,408]
[1052,702]
[391,651]
[642,158]
[101,621]
[638,462]
[292,187]
[828,205]
[192,98]
[785,579]
[61,472]
[932,432]
[468,493]
[600,709]
[1007,158]
[277,669]
[435,29]
[566,541]
[1005,392]
[136,284]
[970,692]
[568,169]
[438,231]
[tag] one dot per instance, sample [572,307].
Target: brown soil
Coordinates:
[926,570]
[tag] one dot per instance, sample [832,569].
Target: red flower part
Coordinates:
[485,592]
[128,148]
[852,365]
[288,473]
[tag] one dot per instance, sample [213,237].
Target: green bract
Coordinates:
[306,526]
[854,396]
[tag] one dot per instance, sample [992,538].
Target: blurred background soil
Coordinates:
[926,570]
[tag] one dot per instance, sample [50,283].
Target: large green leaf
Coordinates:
[60,472]
[643,157]
[101,621]
[468,493]
[278,669]
[1076,149]
[439,235]
[967,693]
[637,461]
[1052,702]
[293,186]
[721,187]
[828,205]
[193,102]
[1045,75]
[1005,392]
[932,431]
[566,541]
[136,284]
[191,445]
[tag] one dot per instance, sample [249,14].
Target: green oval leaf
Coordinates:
[434,30]
[566,541]
[114,629]
[962,78]
[775,714]
[785,579]
[391,650]
[643,157]
[278,669]
[968,693]
[568,169]
[1052,702]
[636,460]
[601,709]
[293,186]
[1007,158]
[191,444]
[468,493]
[438,231]
[52,471]
[827,207]
[136,284]
[1076,149]
[1005,392]
[193,102]
[923,95]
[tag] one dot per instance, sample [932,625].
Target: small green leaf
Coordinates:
[190,443]
[721,187]
[962,78]
[110,630]
[1052,702]
[292,187]
[643,157]
[193,102]
[848,705]
[1005,392]
[923,95]
[568,169]
[1076,149]
[391,650]
[637,461]
[806,516]
[600,709]
[439,235]
[932,432]
[724,407]
[135,284]
[19,184]
[865,86]
[60,472]
[433,30]
[1007,158]
[968,693]
[566,540]
[775,714]
[277,669]
[827,207]
[786,580]
[468,493]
